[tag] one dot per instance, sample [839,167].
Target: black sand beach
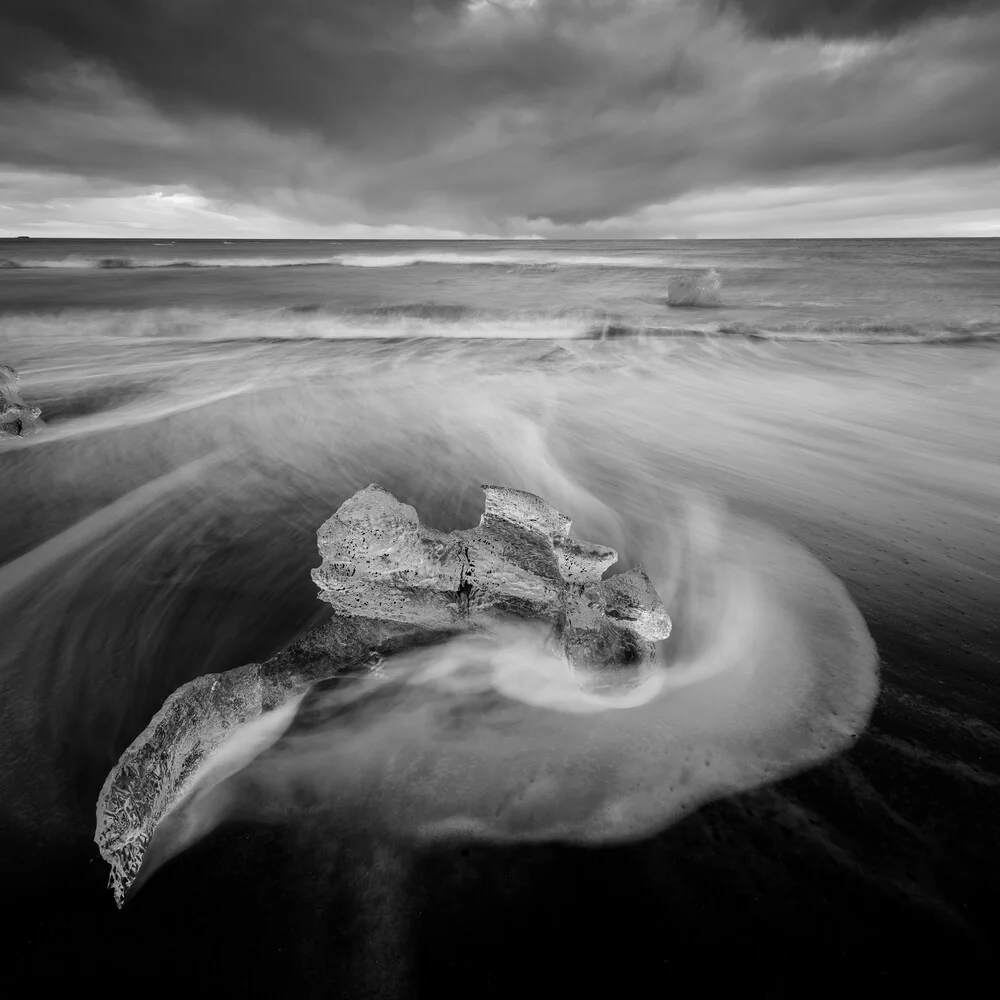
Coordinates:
[876,869]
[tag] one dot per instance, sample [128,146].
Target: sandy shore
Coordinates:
[878,868]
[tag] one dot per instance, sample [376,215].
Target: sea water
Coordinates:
[209,404]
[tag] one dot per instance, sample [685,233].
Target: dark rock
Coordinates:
[17,418]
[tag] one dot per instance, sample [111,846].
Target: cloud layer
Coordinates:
[496,116]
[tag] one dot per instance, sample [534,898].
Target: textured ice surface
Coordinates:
[394,584]
[695,289]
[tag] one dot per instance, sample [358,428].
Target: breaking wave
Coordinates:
[135,263]
[865,331]
[526,260]
[455,321]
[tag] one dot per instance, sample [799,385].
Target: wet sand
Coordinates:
[877,868]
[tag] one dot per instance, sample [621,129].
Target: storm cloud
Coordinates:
[843,18]
[494,115]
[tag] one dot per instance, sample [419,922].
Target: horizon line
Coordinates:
[477,239]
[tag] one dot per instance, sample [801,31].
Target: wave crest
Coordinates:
[458,321]
[137,263]
[527,261]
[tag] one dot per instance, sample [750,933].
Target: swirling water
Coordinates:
[202,421]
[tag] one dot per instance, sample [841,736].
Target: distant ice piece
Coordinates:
[695,289]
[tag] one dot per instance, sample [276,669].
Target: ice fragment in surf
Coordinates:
[519,561]
[695,289]
[199,735]
[394,584]
[16,417]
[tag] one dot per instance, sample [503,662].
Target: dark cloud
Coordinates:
[318,64]
[843,18]
[473,114]
[386,74]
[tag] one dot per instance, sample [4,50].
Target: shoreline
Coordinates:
[884,855]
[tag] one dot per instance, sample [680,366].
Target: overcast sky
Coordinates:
[511,118]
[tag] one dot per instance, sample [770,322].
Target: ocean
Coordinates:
[845,291]
[208,404]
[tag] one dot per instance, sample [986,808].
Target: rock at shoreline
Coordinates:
[16,417]
[394,584]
